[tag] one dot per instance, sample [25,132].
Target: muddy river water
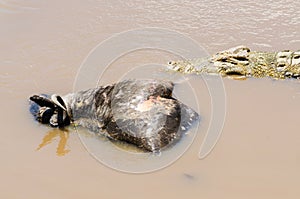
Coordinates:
[42,47]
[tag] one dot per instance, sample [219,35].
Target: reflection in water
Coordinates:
[63,136]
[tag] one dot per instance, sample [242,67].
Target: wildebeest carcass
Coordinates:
[140,112]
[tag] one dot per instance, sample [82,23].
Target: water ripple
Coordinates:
[10,7]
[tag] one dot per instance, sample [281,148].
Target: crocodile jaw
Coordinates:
[193,66]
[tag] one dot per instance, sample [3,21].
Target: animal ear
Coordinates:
[59,101]
[42,101]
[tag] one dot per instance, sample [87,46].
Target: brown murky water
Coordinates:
[44,43]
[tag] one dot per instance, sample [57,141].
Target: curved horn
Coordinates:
[58,101]
[42,101]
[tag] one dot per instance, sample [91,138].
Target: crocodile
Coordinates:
[141,112]
[241,63]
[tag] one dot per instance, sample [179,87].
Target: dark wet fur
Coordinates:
[115,109]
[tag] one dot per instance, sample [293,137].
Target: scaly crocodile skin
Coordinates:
[240,62]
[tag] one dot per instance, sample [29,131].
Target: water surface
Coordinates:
[42,46]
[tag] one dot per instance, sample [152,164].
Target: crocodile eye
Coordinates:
[169,62]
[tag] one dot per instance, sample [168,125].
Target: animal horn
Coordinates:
[58,101]
[42,101]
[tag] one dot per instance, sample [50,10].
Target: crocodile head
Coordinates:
[231,63]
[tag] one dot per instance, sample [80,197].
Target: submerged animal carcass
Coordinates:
[140,112]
